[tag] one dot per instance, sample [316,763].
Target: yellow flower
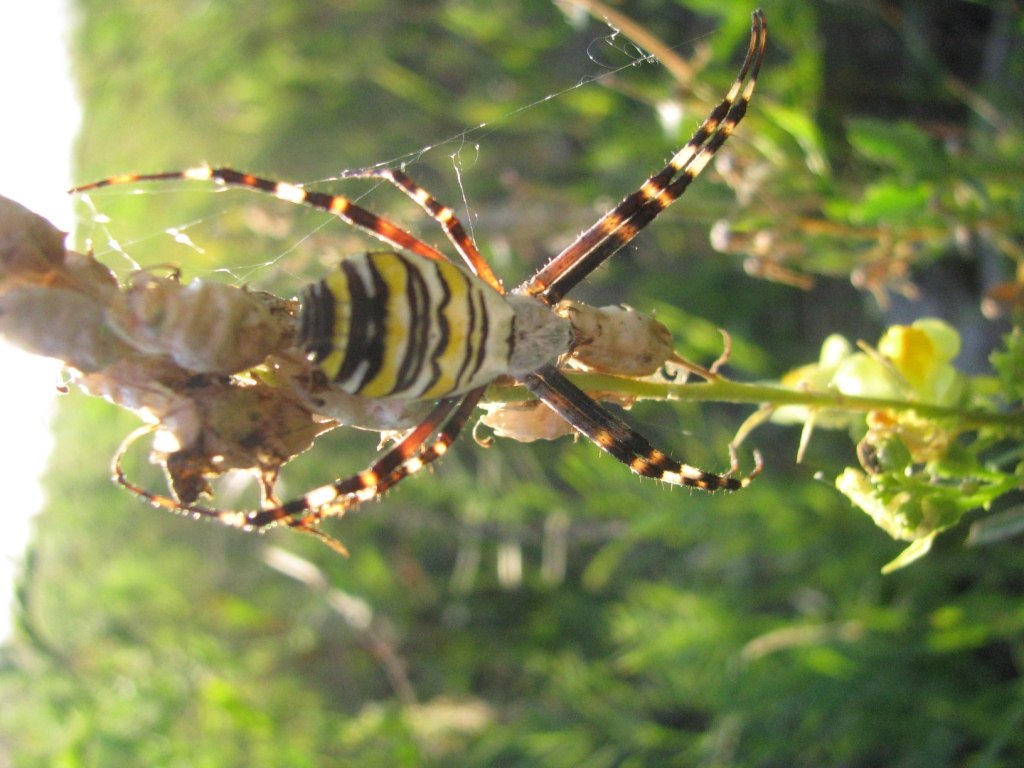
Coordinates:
[922,353]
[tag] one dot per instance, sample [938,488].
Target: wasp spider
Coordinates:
[413,326]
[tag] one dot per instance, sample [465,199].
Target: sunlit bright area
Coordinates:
[41,118]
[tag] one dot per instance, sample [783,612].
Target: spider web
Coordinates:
[303,244]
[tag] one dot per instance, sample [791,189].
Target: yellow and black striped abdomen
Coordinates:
[401,325]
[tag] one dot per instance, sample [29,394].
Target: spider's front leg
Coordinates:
[621,224]
[610,233]
[621,441]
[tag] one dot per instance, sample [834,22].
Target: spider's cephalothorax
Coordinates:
[412,326]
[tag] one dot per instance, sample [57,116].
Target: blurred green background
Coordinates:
[538,604]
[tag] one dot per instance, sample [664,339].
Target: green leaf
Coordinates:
[902,146]
[914,552]
[890,201]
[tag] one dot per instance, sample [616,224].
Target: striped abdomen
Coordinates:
[400,325]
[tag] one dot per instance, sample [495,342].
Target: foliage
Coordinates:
[920,475]
[537,604]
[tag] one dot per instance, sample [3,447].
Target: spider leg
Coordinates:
[626,230]
[338,205]
[616,437]
[621,224]
[443,215]
[406,458]
[398,471]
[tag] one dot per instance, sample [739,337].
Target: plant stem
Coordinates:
[724,390]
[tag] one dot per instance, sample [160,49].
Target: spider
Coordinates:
[414,326]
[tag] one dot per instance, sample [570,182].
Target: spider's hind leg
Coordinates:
[409,456]
[406,458]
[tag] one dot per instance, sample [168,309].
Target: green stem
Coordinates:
[724,390]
